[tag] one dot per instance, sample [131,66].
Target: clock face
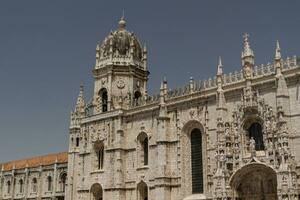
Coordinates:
[120,84]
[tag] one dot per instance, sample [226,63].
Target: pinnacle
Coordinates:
[247,49]
[278,51]
[220,67]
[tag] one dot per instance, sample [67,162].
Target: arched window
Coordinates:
[96,192]
[49,183]
[104,99]
[255,132]
[34,185]
[137,97]
[144,146]
[63,179]
[8,185]
[77,142]
[99,148]
[21,186]
[197,165]
[142,191]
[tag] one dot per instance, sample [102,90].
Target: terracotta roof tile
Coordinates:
[36,161]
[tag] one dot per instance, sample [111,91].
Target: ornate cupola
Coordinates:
[120,72]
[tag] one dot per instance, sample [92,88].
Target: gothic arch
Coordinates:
[142,191]
[254,181]
[63,181]
[193,158]
[99,154]
[96,192]
[137,97]
[34,186]
[143,148]
[103,94]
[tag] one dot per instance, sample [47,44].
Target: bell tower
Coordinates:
[120,72]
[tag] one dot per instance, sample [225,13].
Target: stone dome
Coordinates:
[121,43]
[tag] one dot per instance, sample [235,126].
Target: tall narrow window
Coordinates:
[197,165]
[97,191]
[137,97]
[21,186]
[63,180]
[100,158]
[8,187]
[104,99]
[49,182]
[99,149]
[142,191]
[143,148]
[77,142]
[255,132]
[34,185]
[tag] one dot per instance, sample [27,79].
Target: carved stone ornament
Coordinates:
[120,83]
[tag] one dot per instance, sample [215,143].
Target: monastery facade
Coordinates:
[43,177]
[232,137]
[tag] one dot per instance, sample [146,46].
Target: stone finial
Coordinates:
[191,85]
[145,48]
[220,67]
[145,57]
[122,22]
[220,74]
[163,87]
[278,51]
[165,83]
[247,52]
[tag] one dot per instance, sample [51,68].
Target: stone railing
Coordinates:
[228,79]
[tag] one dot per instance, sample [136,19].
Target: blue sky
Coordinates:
[47,50]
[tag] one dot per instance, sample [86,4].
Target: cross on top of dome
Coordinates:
[122,22]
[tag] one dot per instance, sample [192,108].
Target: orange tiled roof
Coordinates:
[36,161]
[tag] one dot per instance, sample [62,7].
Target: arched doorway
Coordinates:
[96,192]
[254,181]
[142,190]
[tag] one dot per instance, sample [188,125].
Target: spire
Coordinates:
[80,104]
[221,102]
[278,51]
[162,91]
[278,63]
[220,74]
[247,52]
[220,67]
